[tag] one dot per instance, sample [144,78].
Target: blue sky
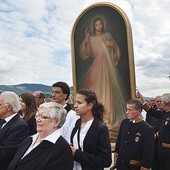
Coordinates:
[35,41]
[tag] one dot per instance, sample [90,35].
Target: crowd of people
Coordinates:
[38,134]
[143,142]
[41,134]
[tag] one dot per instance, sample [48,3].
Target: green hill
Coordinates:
[25,87]
[20,88]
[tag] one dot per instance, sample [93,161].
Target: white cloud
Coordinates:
[35,41]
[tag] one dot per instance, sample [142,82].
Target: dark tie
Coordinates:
[2,121]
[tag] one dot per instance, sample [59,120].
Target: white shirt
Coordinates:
[53,137]
[7,119]
[68,126]
[143,114]
[83,132]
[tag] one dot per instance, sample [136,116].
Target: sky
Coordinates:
[35,41]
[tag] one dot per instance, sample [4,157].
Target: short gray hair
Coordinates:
[56,111]
[166,98]
[11,98]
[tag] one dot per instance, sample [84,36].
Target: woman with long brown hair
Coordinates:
[28,110]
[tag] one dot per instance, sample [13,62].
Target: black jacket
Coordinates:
[46,156]
[11,136]
[97,148]
[135,141]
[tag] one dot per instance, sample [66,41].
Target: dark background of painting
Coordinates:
[113,23]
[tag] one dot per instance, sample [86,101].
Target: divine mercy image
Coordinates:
[103,61]
[102,75]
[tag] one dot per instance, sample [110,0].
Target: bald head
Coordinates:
[39,97]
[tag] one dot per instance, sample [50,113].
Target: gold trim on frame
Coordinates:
[128,50]
[129,43]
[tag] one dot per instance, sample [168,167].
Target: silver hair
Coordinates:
[166,98]
[11,98]
[55,111]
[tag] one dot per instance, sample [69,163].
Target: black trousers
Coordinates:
[164,164]
[128,167]
[156,161]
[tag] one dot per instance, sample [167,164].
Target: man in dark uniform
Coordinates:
[151,102]
[135,143]
[164,132]
[155,123]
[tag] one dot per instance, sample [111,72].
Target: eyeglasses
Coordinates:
[42,117]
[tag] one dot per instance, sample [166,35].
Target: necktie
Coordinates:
[2,121]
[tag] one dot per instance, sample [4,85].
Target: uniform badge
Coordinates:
[166,122]
[138,134]
[137,139]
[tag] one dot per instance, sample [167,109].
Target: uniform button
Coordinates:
[122,160]
[128,132]
[123,151]
[125,141]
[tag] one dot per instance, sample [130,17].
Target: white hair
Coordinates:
[55,110]
[11,98]
[166,98]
